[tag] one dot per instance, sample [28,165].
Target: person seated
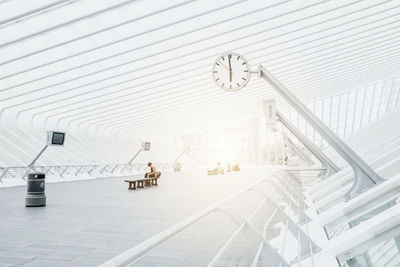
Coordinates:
[153,172]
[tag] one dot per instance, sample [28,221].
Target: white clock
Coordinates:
[231,72]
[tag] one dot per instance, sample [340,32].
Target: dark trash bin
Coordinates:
[35,192]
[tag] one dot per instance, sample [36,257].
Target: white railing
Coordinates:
[80,170]
[290,199]
[350,110]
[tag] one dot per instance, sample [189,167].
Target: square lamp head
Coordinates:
[146,146]
[55,138]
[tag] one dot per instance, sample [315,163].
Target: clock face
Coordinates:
[231,72]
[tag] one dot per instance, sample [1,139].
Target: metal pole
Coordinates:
[326,162]
[33,162]
[364,176]
[180,155]
[37,157]
[137,153]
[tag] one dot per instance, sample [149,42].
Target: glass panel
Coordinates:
[334,230]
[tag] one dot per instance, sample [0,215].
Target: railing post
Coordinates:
[113,169]
[26,172]
[269,253]
[4,174]
[302,216]
[62,173]
[80,168]
[103,169]
[92,169]
[296,231]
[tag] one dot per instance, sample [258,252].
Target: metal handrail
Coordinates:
[87,169]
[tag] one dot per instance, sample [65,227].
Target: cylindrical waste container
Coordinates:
[35,193]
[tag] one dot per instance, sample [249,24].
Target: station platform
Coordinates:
[87,222]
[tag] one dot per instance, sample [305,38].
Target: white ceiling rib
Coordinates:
[128,93]
[57,84]
[33,12]
[145,65]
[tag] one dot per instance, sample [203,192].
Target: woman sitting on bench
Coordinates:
[153,172]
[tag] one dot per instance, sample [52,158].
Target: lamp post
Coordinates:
[176,165]
[145,147]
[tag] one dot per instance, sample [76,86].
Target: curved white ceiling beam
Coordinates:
[313,48]
[392,42]
[176,48]
[32,12]
[183,107]
[57,84]
[70,89]
[337,58]
[134,36]
[113,27]
[163,103]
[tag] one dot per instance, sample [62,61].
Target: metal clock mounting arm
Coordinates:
[256,72]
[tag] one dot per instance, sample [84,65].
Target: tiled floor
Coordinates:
[88,222]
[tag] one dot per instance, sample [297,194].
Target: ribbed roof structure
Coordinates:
[146,65]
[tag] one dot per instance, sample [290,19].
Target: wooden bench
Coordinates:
[212,172]
[141,182]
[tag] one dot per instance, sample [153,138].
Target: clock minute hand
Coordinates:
[230,68]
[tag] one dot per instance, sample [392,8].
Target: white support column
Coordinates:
[346,114]
[363,107]
[355,110]
[338,114]
[364,176]
[390,95]
[372,104]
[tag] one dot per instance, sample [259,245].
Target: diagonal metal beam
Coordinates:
[364,176]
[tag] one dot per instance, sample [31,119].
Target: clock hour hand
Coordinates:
[230,71]
[223,65]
